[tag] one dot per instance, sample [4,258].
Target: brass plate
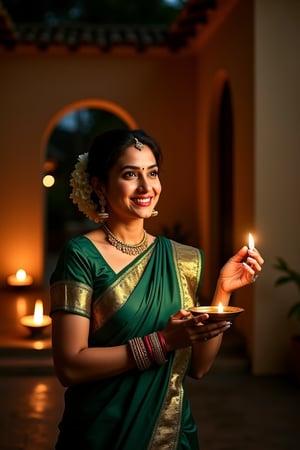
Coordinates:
[229,312]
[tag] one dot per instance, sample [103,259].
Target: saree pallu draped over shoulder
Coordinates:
[135,410]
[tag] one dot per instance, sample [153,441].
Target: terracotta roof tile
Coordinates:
[75,35]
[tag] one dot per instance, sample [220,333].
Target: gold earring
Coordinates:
[103,215]
[154,213]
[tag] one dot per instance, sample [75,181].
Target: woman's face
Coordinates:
[133,187]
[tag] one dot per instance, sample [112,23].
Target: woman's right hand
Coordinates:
[184,330]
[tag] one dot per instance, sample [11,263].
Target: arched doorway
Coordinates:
[70,134]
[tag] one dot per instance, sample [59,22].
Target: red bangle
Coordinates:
[162,342]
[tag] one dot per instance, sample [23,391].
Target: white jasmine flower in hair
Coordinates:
[82,189]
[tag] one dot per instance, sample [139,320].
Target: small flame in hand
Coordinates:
[220,308]
[251,242]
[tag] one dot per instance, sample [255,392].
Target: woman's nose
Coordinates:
[143,184]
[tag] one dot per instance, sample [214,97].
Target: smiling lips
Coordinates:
[145,201]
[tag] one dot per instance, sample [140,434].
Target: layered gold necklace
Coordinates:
[134,249]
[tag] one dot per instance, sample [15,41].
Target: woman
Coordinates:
[123,338]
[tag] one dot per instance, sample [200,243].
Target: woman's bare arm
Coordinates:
[75,362]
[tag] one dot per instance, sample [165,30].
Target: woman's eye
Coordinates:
[129,174]
[132,174]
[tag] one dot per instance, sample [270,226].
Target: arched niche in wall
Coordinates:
[221,172]
[68,135]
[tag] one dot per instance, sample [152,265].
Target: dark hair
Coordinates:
[107,148]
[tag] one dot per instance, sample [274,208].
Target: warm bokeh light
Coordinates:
[20,278]
[38,401]
[48,181]
[39,345]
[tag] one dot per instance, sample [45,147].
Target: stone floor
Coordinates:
[234,411]
[238,411]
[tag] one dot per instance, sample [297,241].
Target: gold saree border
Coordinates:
[188,266]
[116,295]
[71,296]
[165,436]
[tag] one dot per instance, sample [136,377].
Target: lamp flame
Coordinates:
[251,242]
[20,278]
[38,312]
[21,275]
[220,308]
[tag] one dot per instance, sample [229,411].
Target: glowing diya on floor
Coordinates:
[20,279]
[37,322]
[217,313]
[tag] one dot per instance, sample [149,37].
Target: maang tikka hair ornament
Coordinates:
[138,144]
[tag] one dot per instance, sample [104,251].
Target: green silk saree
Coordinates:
[135,410]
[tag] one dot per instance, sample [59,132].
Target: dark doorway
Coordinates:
[221,178]
[225,150]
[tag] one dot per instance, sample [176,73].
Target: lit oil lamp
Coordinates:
[38,321]
[20,279]
[217,313]
[220,312]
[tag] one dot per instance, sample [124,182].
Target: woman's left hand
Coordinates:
[241,269]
